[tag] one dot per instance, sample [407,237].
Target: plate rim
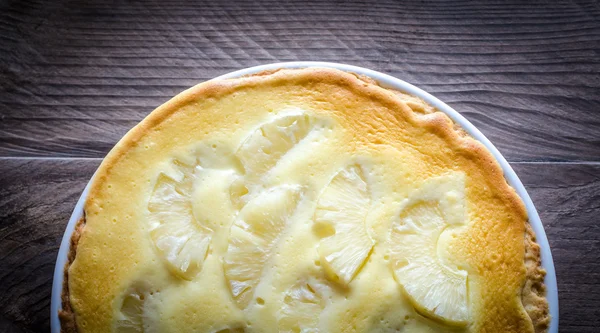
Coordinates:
[386,81]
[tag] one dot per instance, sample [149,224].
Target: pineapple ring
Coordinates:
[303,305]
[181,225]
[340,218]
[253,235]
[137,310]
[263,149]
[418,250]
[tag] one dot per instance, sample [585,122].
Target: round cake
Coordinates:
[301,200]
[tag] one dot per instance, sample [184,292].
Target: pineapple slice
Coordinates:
[183,206]
[180,241]
[136,313]
[303,305]
[418,250]
[253,236]
[267,144]
[340,218]
[263,148]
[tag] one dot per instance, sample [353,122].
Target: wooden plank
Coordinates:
[36,201]
[567,197]
[76,75]
[38,195]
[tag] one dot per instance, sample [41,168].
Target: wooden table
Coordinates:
[76,75]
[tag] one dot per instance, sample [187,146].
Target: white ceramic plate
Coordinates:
[388,82]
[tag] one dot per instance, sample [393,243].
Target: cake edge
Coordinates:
[66,315]
[533,291]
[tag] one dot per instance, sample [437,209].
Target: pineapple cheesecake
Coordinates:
[301,200]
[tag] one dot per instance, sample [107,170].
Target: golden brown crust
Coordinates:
[533,292]
[67,315]
[533,295]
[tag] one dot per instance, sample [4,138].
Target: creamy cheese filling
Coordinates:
[255,242]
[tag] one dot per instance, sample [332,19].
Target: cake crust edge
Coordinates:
[66,315]
[533,294]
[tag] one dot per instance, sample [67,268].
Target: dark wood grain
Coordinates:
[567,197]
[76,75]
[37,197]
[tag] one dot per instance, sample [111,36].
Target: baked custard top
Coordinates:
[307,200]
